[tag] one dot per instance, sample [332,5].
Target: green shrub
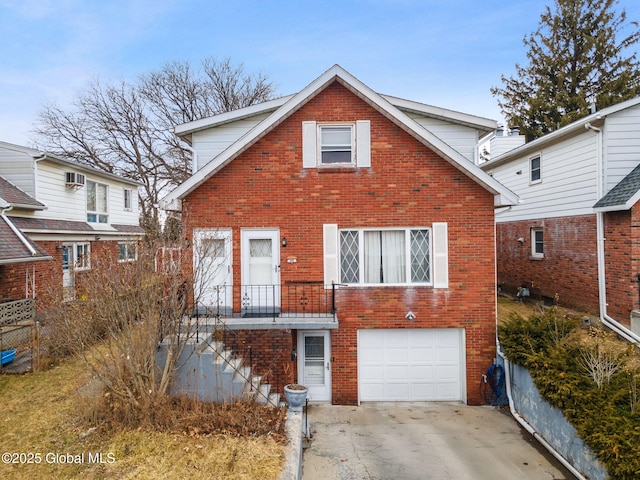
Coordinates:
[590,375]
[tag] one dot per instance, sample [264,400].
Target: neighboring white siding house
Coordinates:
[76,217]
[573,235]
[567,180]
[44,177]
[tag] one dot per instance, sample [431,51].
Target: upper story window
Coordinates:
[97,198]
[128,195]
[336,144]
[379,257]
[537,243]
[535,169]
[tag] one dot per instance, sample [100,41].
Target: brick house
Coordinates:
[574,236]
[60,219]
[352,240]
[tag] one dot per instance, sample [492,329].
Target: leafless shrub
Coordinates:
[121,313]
[601,355]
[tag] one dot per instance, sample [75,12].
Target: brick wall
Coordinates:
[268,352]
[407,185]
[48,273]
[621,256]
[568,270]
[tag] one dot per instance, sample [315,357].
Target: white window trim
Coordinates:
[97,213]
[535,254]
[531,158]
[73,262]
[352,129]
[124,199]
[360,145]
[361,258]
[127,246]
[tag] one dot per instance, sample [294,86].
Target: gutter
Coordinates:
[520,419]
[606,320]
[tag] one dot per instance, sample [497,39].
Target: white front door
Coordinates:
[314,363]
[260,271]
[212,266]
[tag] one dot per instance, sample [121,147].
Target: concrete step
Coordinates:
[274,399]
[262,395]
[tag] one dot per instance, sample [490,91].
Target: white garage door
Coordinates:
[411,364]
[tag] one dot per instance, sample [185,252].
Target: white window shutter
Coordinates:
[440,256]
[330,240]
[309,144]
[363,143]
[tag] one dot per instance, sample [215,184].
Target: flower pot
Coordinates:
[295,395]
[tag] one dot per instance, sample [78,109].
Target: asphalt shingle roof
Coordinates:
[12,247]
[14,196]
[622,192]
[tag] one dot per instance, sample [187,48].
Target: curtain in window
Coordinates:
[393,257]
[372,257]
[384,257]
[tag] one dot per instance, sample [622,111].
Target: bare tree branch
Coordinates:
[127,128]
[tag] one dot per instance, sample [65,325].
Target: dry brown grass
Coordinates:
[507,306]
[44,417]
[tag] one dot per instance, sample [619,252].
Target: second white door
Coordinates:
[260,270]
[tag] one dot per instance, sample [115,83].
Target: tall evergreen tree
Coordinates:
[577,60]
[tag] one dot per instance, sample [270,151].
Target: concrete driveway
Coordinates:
[406,441]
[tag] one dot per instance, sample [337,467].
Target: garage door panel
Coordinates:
[396,373]
[372,373]
[410,364]
[396,355]
[421,355]
[422,373]
[447,355]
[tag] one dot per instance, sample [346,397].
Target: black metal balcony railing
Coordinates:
[267,301]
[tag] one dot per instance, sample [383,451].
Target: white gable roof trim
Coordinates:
[502,195]
[485,125]
[197,125]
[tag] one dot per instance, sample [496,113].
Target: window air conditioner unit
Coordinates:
[73,179]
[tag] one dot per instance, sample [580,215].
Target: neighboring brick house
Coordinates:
[73,216]
[18,254]
[574,237]
[348,234]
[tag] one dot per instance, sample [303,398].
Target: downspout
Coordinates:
[606,320]
[520,419]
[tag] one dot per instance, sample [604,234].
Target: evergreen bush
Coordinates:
[590,375]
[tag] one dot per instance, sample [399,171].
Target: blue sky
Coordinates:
[446,53]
